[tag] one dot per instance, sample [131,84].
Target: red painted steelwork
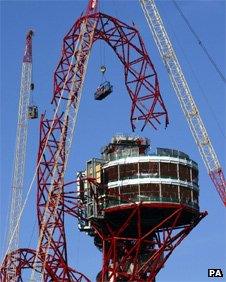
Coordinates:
[140,76]
[219,181]
[57,261]
[139,255]
[56,267]
[147,106]
[25,259]
[138,72]
[57,245]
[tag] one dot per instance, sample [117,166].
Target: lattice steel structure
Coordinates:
[184,96]
[142,208]
[23,259]
[20,148]
[49,260]
[140,255]
[140,76]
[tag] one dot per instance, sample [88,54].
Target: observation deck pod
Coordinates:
[162,182]
[103,91]
[140,208]
[32,112]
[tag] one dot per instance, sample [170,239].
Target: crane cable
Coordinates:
[214,64]
[39,162]
[197,80]
[102,63]
[77,49]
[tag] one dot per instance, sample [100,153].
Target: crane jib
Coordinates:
[184,96]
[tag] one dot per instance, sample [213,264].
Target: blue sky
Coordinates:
[97,121]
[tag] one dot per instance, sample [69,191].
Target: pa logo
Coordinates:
[215,272]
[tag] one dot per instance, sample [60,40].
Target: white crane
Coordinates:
[184,96]
[20,147]
[78,64]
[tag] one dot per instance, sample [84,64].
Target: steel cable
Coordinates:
[214,64]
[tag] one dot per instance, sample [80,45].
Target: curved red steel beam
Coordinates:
[54,231]
[24,258]
[20,259]
[142,85]
[147,105]
[57,261]
[140,76]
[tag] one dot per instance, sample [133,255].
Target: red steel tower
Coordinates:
[136,227]
[141,209]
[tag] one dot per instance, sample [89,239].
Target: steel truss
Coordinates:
[26,258]
[140,76]
[184,96]
[20,147]
[22,259]
[146,100]
[54,231]
[56,135]
[123,259]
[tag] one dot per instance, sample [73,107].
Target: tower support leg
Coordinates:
[138,253]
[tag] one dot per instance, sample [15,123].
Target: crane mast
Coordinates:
[68,114]
[20,148]
[184,96]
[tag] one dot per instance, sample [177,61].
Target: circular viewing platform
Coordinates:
[153,178]
[159,183]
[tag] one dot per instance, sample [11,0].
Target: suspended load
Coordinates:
[105,87]
[32,112]
[103,90]
[32,86]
